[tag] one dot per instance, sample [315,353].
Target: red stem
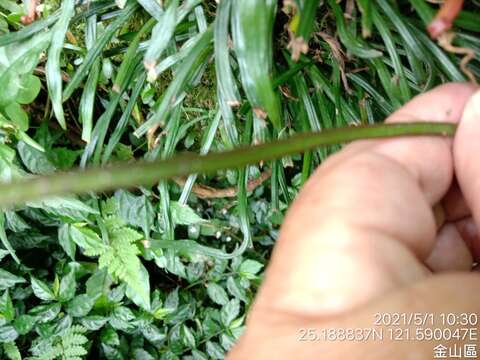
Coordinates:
[443,21]
[30,17]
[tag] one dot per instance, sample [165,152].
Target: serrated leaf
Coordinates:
[230,311]
[172,300]
[7,279]
[11,351]
[73,341]
[109,336]
[6,307]
[117,293]
[66,241]
[68,286]
[80,305]
[227,341]
[172,263]
[198,355]
[140,354]
[42,290]
[195,270]
[123,313]
[153,334]
[135,210]
[7,333]
[211,324]
[99,283]
[47,312]
[35,160]
[184,214]
[236,290]
[93,322]
[15,222]
[188,337]
[215,351]
[121,259]
[175,340]
[249,268]
[62,203]
[183,313]
[87,239]
[24,323]
[217,294]
[141,299]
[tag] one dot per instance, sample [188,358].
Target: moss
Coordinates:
[204,95]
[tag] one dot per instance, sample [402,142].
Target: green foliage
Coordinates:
[17,62]
[252,30]
[169,271]
[11,351]
[54,77]
[121,258]
[67,346]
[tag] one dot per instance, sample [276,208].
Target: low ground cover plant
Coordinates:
[169,271]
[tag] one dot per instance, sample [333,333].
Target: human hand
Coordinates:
[362,238]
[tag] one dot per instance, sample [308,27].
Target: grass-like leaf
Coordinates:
[252,31]
[92,55]
[54,78]
[145,173]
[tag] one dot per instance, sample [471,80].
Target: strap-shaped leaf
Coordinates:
[53,71]
[147,173]
[252,30]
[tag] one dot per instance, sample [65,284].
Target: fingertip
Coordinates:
[444,103]
[450,253]
[466,149]
[458,88]
[429,159]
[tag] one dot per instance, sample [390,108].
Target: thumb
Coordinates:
[415,322]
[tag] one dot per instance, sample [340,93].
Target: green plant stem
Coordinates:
[147,173]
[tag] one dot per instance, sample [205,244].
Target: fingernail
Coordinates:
[472,108]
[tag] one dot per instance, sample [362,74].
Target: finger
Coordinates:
[443,104]
[468,231]
[457,244]
[466,150]
[450,252]
[454,204]
[453,250]
[364,218]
